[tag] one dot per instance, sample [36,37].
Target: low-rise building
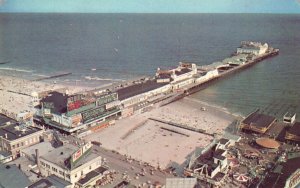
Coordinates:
[14,137]
[71,163]
[293,134]
[211,164]
[255,48]
[72,113]
[257,122]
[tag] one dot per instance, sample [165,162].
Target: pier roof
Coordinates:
[295,129]
[59,101]
[182,71]
[136,89]
[259,120]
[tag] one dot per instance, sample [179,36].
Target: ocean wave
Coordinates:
[101,79]
[16,70]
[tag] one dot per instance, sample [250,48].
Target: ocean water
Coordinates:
[114,47]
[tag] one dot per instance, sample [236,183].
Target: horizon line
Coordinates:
[37,12]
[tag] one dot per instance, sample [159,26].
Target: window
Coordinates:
[82,173]
[90,167]
[22,144]
[68,176]
[61,172]
[75,175]
[18,145]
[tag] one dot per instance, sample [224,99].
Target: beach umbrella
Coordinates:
[241,177]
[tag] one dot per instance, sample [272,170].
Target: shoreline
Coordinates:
[18,89]
[214,106]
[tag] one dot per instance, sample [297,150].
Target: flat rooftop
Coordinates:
[50,182]
[61,156]
[259,120]
[12,132]
[136,89]
[8,174]
[4,119]
[43,147]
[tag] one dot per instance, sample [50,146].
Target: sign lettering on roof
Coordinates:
[81,151]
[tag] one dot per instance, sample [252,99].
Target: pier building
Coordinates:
[255,48]
[257,122]
[71,113]
[293,134]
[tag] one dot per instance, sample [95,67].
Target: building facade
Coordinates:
[13,140]
[70,163]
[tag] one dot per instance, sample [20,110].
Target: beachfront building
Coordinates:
[71,113]
[182,72]
[178,77]
[210,165]
[206,75]
[257,122]
[137,96]
[14,137]
[78,165]
[289,118]
[255,48]
[293,133]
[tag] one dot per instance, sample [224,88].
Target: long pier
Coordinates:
[200,86]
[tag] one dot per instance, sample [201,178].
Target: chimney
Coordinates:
[37,155]
[6,135]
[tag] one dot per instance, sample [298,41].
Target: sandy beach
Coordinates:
[16,92]
[163,144]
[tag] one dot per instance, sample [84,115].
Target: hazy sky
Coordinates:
[152,6]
